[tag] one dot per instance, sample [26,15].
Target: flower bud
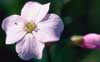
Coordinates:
[91,41]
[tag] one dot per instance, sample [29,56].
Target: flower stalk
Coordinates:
[48,54]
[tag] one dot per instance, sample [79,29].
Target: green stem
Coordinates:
[48,54]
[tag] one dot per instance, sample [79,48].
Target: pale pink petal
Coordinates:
[34,11]
[14,34]
[43,12]
[29,48]
[49,30]
[12,20]
[13,26]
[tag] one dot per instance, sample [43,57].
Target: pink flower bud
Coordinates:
[91,41]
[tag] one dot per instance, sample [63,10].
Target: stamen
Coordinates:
[29,27]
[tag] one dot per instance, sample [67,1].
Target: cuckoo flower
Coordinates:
[32,29]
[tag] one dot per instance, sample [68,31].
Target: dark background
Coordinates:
[79,16]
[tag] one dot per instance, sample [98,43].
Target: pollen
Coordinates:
[29,27]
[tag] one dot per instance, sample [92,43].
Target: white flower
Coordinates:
[32,29]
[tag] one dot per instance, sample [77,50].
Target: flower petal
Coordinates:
[43,12]
[50,29]
[13,26]
[29,48]
[14,34]
[34,11]
[12,21]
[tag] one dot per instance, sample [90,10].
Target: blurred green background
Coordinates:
[79,16]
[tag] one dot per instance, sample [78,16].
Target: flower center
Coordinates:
[29,27]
